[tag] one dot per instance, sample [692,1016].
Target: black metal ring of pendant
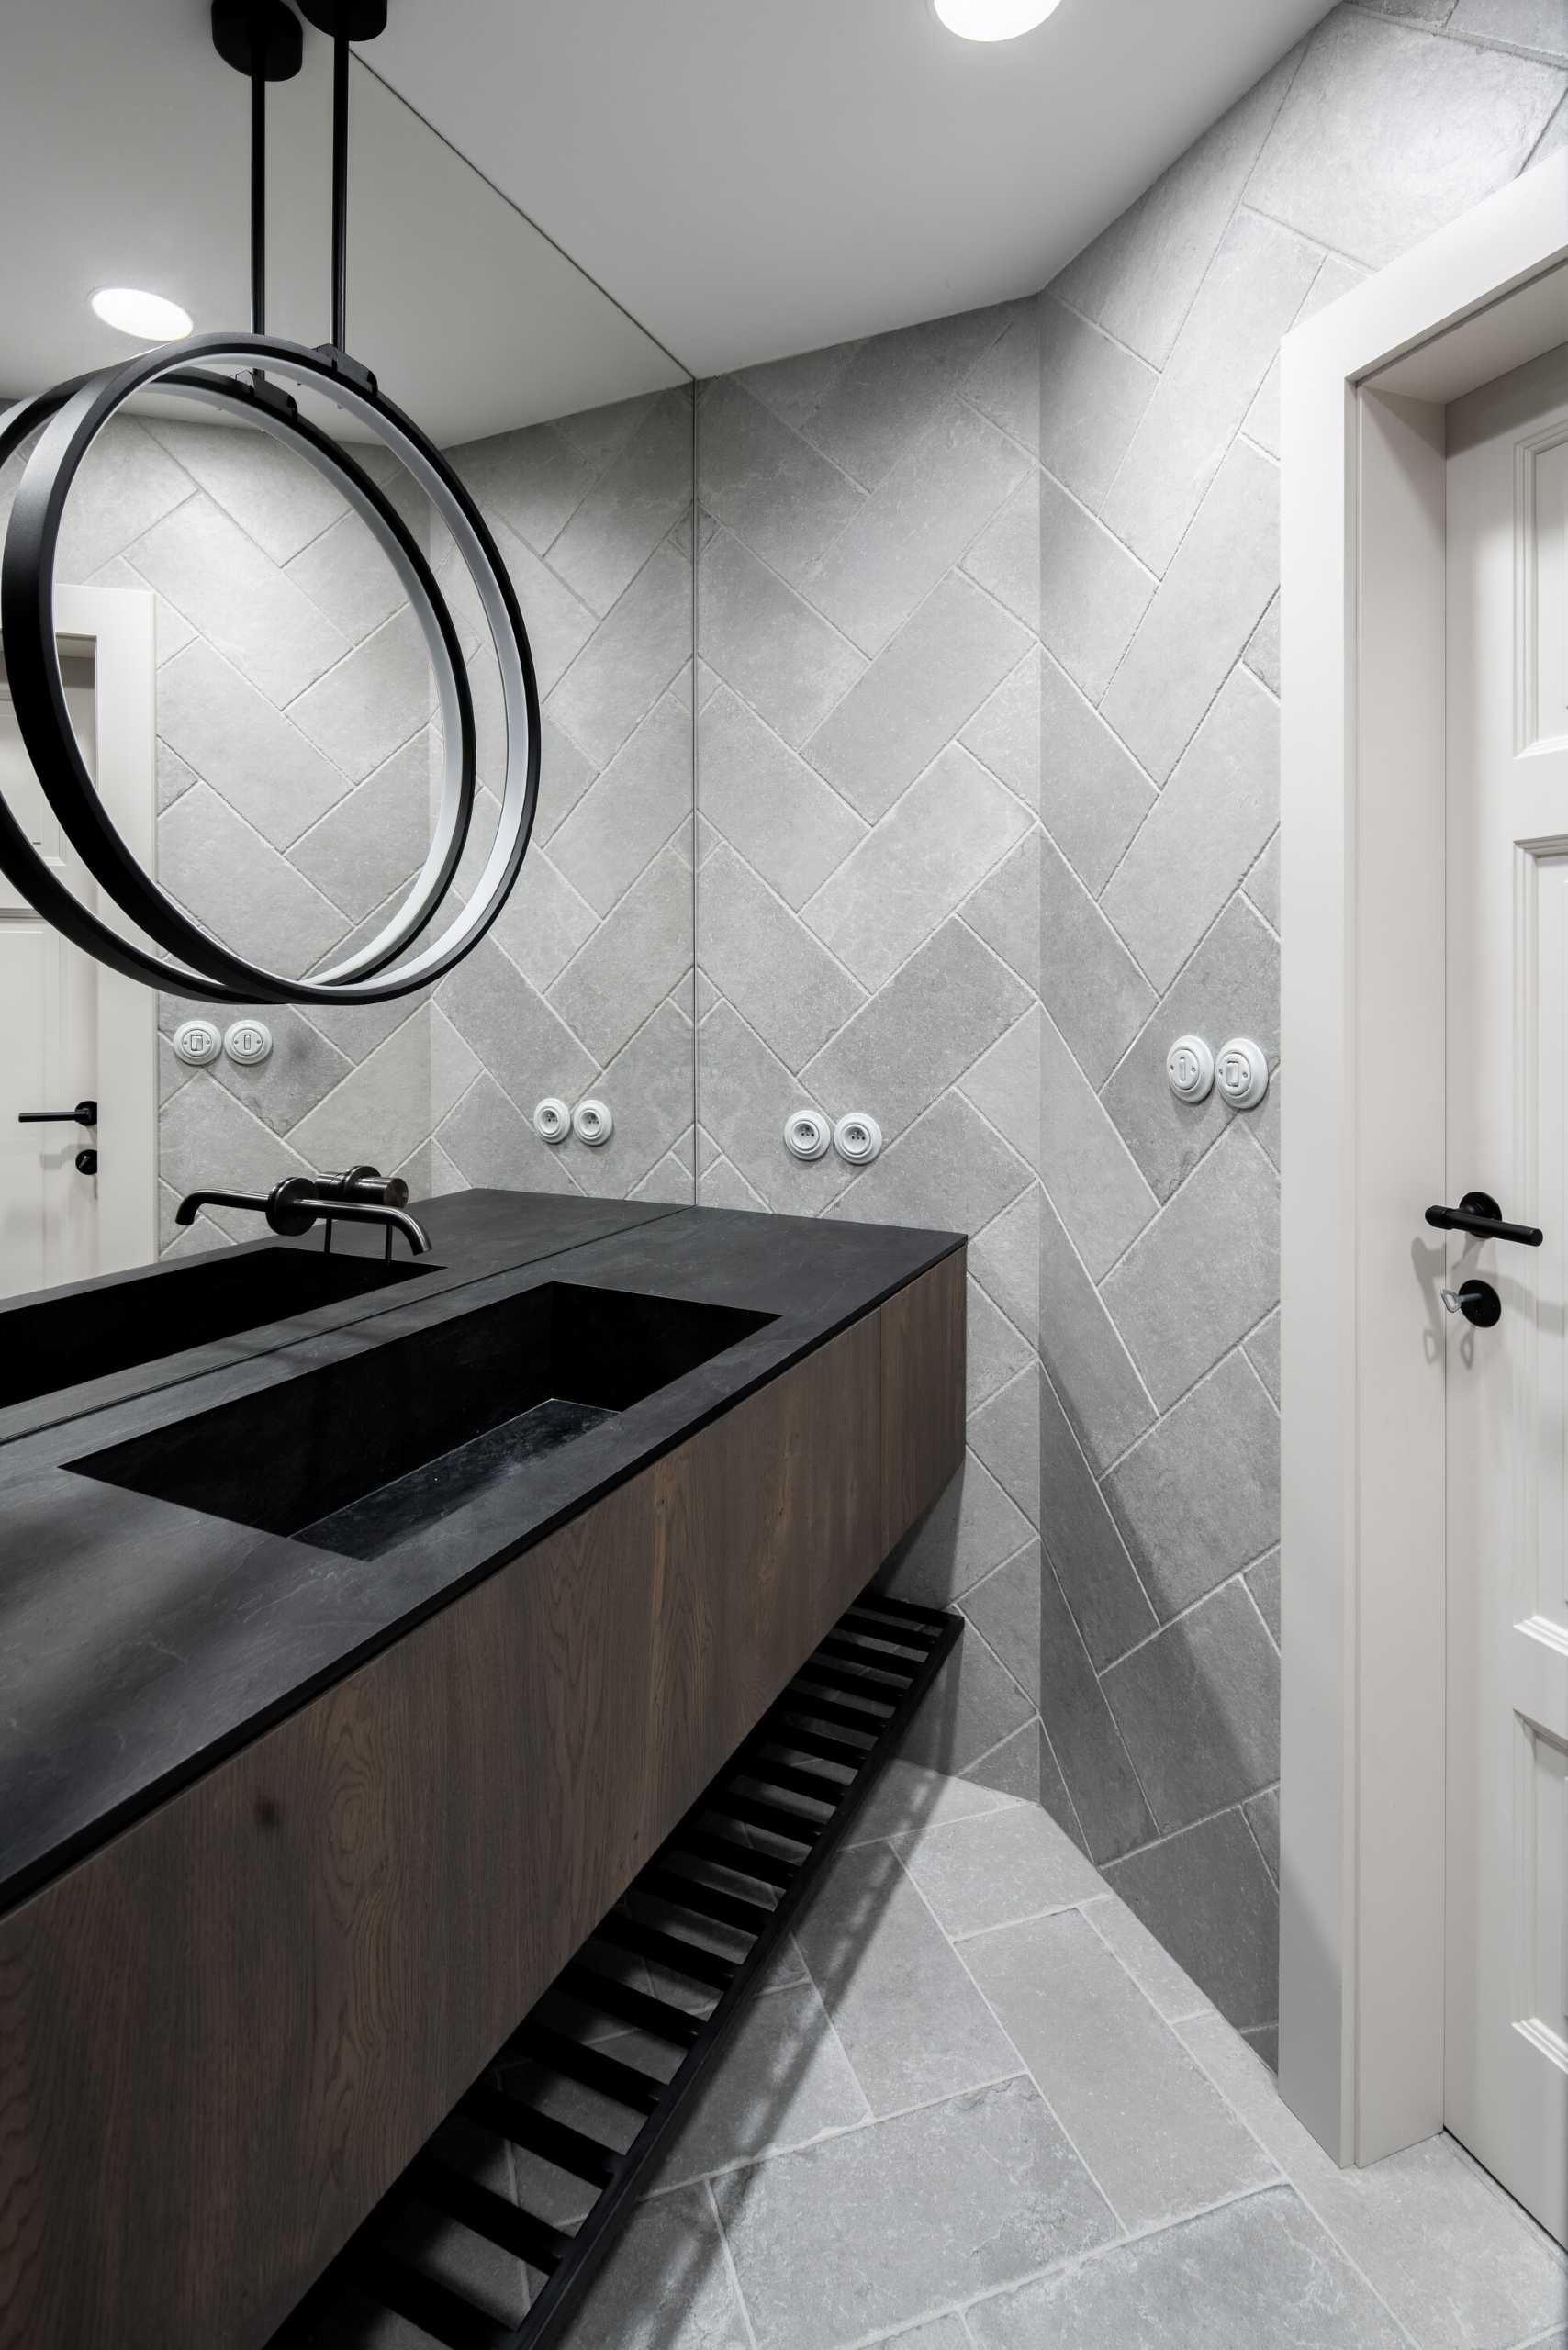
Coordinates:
[66,911]
[77,413]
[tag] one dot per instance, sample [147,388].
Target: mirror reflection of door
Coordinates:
[67,1023]
[1506,2094]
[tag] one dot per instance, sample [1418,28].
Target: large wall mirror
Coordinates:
[255,700]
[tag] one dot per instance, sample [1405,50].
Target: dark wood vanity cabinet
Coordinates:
[224,2032]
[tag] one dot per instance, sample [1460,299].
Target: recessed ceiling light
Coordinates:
[150,318]
[992,20]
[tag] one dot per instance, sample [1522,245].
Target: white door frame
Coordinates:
[114,627]
[1364,1701]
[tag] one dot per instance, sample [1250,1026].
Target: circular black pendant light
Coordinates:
[261,40]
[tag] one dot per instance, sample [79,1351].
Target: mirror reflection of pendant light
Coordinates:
[261,40]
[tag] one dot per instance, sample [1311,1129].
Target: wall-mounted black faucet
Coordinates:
[363,1195]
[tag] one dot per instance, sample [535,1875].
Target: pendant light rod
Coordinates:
[258,191]
[339,182]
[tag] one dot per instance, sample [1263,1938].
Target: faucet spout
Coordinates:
[365,1212]
[295,1204]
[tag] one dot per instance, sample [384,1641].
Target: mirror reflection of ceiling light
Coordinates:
[150,318]
[992,20]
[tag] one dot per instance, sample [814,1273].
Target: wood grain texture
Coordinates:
[223,2036]
[922,1393]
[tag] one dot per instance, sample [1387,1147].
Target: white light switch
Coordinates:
[247,1042]
[197,1042]
[1189,1066]
[1241,1073]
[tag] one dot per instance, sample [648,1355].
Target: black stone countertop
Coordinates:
[141,1641]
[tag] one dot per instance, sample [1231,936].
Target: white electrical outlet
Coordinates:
[593,1123]
[807,1134]
[857,1137]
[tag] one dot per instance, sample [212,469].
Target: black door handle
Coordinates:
[1479,1213]
[85,1113]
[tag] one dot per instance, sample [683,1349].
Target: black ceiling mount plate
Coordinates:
[235,25]
[362,20]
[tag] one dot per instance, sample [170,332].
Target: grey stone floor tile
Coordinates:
[942,2333]
[1157,2138]
[1148,1961]
[913,2024]
[1458,2262]
[782,2080]
[667,2286]
[908,1798]
[994,1871]
[1258,2274]
[870,2230]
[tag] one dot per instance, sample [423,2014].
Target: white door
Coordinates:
[69,1031]
[1507,2041]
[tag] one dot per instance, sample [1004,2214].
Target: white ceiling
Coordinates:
[757,177]
[749,178]
[124,159]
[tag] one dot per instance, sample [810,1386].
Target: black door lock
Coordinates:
[1477,1301]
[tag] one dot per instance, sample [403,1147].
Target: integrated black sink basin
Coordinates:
[60,1341]
[361,1456]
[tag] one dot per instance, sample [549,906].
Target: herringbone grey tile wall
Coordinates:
[296,762]
[1159,1257]
[868,883]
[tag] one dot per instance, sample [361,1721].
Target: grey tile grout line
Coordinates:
[1049,1744]
[1191,1388]
[1097,1481]
[1025,2067]
[1294,2183]
[1186,963]
[997,863]
[1133,1771]
[1157,1203]
[1236,1345]
[731,2269]
[1446,31]
[1163,1205]
[1109,1317]
[1206,2006]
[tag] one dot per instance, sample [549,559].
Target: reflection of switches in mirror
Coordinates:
[247,1042]
[1189,1066]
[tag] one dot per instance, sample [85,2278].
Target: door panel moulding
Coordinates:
[1364,385]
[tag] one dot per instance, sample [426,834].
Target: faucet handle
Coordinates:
[366,1184]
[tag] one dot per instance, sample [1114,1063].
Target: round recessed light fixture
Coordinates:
[992,20]
[150,318]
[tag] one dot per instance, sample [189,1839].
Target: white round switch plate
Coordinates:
[1189,1066]
[247,1042]
[593,1123]
[807,1133]
[1242,1072]
[552,1119]
[197,1042]
[857,1137]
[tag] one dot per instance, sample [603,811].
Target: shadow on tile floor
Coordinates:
[668,2276]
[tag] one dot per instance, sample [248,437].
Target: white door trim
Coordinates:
[114,626]
[1364,385]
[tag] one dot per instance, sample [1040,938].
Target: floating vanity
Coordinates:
[354,1661]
